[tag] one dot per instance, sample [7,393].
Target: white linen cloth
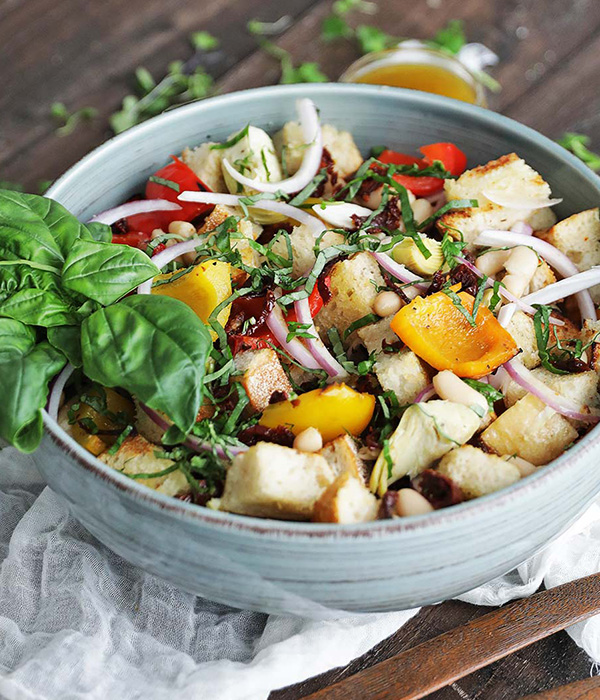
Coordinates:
[76,621]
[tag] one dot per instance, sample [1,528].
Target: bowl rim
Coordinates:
[378,528]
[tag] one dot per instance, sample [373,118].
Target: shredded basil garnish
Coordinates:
[232,141]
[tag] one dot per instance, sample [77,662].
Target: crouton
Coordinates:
[403,373]
[247,230]
[582,388]
[263,377]
[138,456]
[347,500]
[271,481]
[206,163]
[302,240]
[590,336]
[377,335]
[352,294]
[531,430]
[340,144]
[507,174]
[578,237]
[425,433]
[342,455]
[522,330]
[476,472]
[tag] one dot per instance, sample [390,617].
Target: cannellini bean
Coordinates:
[491,263]
[520,265]
[410,502]
[373,199]
[450,387]
[387,303]
[525,468]
[309,440]
[516,284]
[422,209]
[182,228]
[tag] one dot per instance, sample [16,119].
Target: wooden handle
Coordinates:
[589,689]
[427,667]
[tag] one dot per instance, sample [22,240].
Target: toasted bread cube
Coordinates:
[425,433]
[582,388]
[263,377]
[476,472]
[531,430]
[138,456]
[578,237]
[509,174]
[206,162]
[150,430]
[352,294]
[590,335]
[403,373]
[346,501]
[302,240]
[523,331]
[376,335]
[247,230]
[342,455]
[271,481]
[340,144]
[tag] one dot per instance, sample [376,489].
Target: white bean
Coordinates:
[450,387]
[386,304]
[521,265]
[309,440]
[525,468]
[410,502]
[491,263]
[422,209]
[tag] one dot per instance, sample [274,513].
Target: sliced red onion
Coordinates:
[316,346]
[565,287]
[233,200]
[313,142]
[294,347]
[508,311]
[166,256]
[503,199]
[402,273]
[141,206]
[561,404]
[192,441]
[53,405]
[522,227]
[339,214]
[559,261]
[425,394]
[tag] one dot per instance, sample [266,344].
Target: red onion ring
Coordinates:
[505,200]
[277,325]
[313,142]
[316,346]
[523,228]
[561,404]
[165,257]
[402,273]
[425,394]
[559,261]
[141,206]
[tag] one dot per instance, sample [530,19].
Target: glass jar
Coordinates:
[414,65]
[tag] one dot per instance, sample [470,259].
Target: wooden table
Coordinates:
[83,53]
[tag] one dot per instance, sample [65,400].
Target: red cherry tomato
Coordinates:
[184,177]
[454,160]
[419,186]
[136,239]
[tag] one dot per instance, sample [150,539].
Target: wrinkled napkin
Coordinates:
[77,621]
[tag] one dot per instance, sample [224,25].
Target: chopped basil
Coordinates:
[487,390]
[120,440]
[232,141]
[360,323]
[164,182]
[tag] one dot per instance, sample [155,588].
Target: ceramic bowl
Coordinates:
[309,569]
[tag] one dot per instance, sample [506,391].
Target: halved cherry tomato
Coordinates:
[419,186]
[184,177]
[396,158]
[454,160]
[136,239]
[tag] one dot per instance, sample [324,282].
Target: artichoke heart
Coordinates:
[407,253]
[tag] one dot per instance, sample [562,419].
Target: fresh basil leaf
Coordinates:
[25,275]
[100,232]
[155,347]
[39,307]
[25,371]
[67,339]
[105,272]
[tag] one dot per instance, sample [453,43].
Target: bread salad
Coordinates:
[281,328]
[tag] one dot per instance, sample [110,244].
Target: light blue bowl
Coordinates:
[314,569]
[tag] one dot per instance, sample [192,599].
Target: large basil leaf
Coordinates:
[100,232]
[25,371]
[36,228]
[38,307]
[105,272]
[154,347]
[26,275]
[67,339]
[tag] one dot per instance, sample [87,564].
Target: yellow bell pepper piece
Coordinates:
[202,289]
[116,404]
[333,411]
